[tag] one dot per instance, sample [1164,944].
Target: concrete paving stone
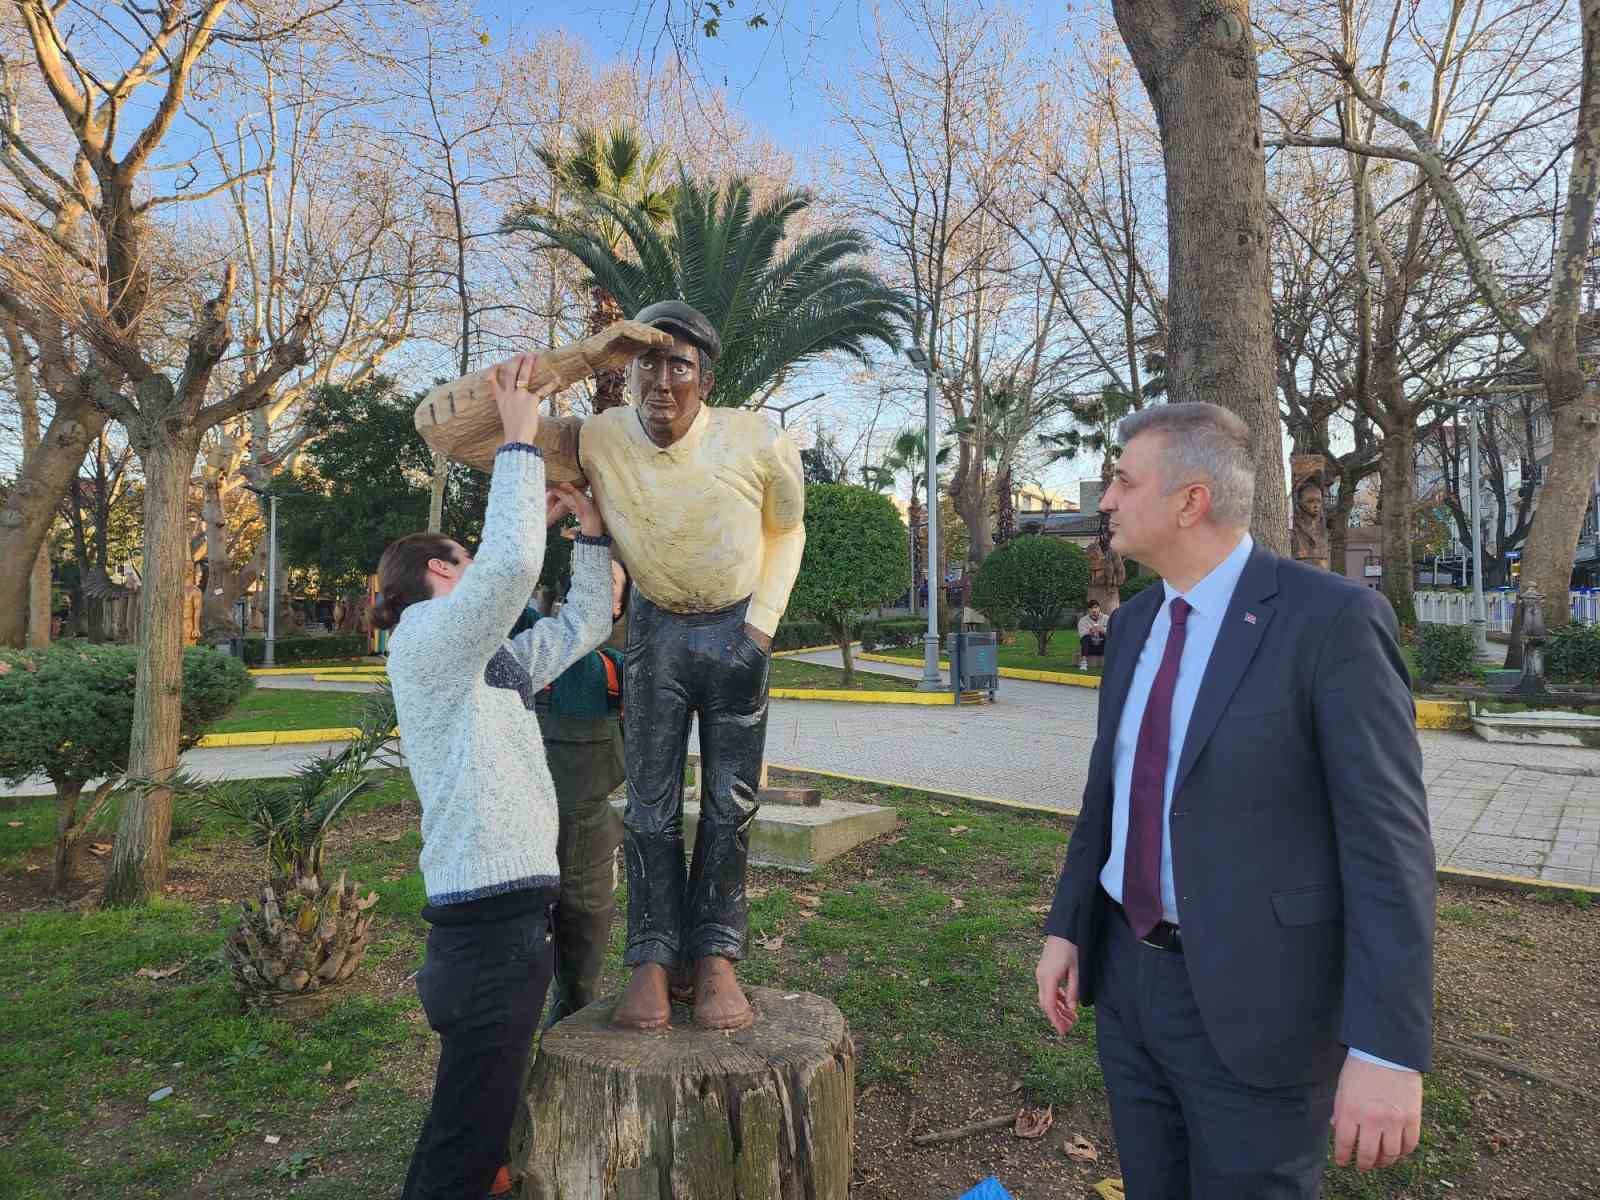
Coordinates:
[1570,875]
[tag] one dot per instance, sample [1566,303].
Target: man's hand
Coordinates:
[1057,975]
[755,635]
[1377,1114]
[509,384]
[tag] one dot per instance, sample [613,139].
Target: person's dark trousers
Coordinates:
[681,666]
[482,985]
[585,757]
[1187,1128]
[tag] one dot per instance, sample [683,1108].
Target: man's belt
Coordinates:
[1165,936]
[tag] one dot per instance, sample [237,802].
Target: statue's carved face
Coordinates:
[1310,497]
[671,388]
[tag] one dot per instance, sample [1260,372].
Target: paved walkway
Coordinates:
[1532,812]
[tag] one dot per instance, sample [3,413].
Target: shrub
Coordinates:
[801,635]
[855,559]
[1572,655]
[1134,586]
[1446,653]
[892,633]
[287,651]
[1032,582]
[67,713]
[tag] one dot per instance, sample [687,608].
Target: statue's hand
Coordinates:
[620,343]
[755,635]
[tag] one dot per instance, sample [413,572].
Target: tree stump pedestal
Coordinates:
[765,1113]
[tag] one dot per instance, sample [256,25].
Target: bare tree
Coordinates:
[1551,340]
[1198,64]
[1418,331]
[166,406]
[941,129]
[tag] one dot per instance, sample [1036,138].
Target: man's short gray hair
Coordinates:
[1204,444]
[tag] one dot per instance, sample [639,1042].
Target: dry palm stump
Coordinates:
[765,1113]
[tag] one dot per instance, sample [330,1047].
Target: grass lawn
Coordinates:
[925,939]
[791,673]
[291,708]
[1022,652]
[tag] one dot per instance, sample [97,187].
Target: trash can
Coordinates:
[974,663]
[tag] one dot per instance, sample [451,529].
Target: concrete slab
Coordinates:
[800,838]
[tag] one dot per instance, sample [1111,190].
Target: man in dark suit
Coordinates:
[1248,893]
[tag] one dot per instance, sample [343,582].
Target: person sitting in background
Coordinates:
[1091,636]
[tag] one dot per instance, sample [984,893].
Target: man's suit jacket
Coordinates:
[1299,833]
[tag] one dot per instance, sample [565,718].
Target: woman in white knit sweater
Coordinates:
[465,693]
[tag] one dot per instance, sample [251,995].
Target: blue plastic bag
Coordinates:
[989,1189]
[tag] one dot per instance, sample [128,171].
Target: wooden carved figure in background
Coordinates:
[1309,534]
[1107,571]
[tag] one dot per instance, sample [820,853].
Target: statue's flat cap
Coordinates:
[684,320]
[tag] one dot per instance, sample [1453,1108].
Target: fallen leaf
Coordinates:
[393,837]
[1039,908]
[1034,1123]
[100,849]
[770,943]
[926,983]
[13,824]
[326,1068]
[273,1139]
[943,812]
[352,1085]
[1080,1149]
[807,913]
[755,893]
[807,900]
[956,830]
[158,972]
[957,902]
[1111,1189]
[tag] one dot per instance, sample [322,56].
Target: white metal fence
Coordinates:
[1455,608]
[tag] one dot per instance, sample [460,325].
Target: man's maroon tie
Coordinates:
[1141,859]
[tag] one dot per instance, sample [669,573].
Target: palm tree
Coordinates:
[1094,431]
[777,302]
[613,164]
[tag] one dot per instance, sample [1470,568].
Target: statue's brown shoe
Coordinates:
[719,1002]
[644,1003]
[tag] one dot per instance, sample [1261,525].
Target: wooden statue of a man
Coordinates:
[706,508]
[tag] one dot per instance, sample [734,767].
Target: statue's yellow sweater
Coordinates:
[701,524]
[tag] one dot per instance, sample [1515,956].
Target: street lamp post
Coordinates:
[931,680]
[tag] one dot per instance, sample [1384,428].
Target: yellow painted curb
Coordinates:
[351,678]
[312,668]
[863,697]
[1513,883]
[1443,714]
[1061,677]
[277,737]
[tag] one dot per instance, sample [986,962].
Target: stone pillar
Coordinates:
[1309,532]
[1530,615]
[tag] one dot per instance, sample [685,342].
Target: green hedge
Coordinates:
[1572,655]
[1133,587]
[1446,654]
[288,651]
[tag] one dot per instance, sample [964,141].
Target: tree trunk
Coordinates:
[1198,63]
[30,508]
[139,862]
[764,1114]
[841,631]
[1397,503]
[441,475]
[610,385]
[1567,490]
[216,611]
[1042,636]
[66,817]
